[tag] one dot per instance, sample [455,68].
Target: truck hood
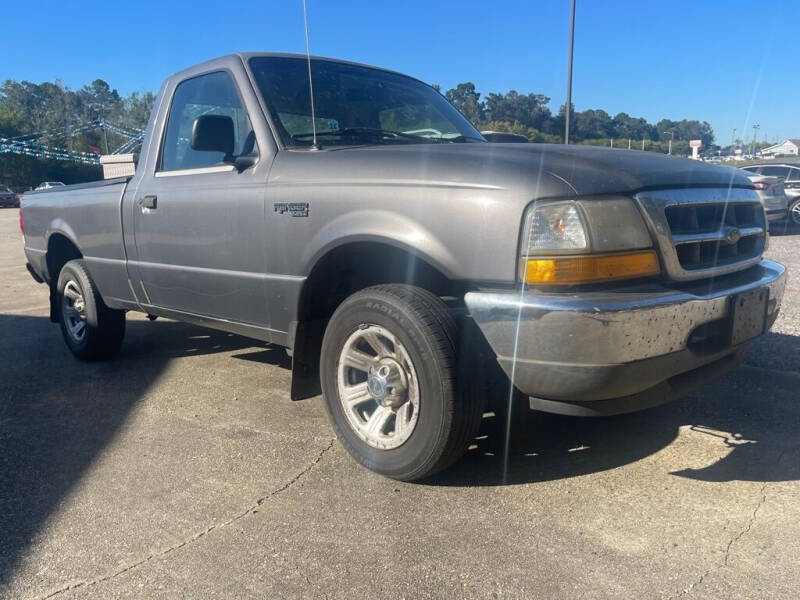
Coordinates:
[584,169]
[458,206]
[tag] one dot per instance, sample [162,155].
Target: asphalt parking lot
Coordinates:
[182,469]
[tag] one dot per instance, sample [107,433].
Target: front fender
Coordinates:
[380,226]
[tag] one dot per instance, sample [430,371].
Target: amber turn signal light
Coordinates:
[571,270]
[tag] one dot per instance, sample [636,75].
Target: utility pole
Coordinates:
[629,143]
[733,139]
[671,137]
[105,135]
[100,120]
[755,135]
[569,69]
[642,142]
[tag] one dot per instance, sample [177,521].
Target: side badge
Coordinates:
[295,209]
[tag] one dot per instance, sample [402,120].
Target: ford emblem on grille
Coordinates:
[733,235]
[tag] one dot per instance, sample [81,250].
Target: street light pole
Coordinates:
[671,137]
[569,69]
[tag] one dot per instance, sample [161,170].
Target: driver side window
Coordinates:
[210,94]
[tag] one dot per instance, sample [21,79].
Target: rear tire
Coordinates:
[390,382]
[91,330]
[794,213]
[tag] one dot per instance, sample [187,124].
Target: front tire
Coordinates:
[389,380]
[91,330]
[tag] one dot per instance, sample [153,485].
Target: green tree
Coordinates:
[467,100]
[627,127]
[529,109]
[687,130]
[30,108]
[137,108]
[592,123]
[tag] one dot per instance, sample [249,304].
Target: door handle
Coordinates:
[149,202]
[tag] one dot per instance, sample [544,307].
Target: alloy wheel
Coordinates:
[73,308]
[795,213]
[378,387]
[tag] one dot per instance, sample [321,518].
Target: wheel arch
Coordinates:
[342,270]
[61,249]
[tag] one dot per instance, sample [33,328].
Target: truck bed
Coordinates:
[88,215]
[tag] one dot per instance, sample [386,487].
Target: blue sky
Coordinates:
[730,62]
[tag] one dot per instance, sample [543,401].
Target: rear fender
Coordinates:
[57,227]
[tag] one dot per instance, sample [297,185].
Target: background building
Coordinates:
[787,147]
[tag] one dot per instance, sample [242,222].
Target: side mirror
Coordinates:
[214,133]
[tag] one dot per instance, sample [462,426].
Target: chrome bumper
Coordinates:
[600,345]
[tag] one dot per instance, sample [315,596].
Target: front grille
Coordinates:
[705,232]
[710,235]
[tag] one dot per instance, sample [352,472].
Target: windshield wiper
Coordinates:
[462,139]
[364,132]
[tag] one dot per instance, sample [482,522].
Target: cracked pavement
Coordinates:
[182,469]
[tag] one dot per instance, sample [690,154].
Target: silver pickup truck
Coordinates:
[398,256]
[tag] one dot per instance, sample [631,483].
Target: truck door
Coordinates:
[198,221]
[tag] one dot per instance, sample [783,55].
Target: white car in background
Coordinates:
[790,173]
[46,185]
[771,192]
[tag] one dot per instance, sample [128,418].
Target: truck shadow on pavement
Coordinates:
[784,228]
[752,415]
[57,414]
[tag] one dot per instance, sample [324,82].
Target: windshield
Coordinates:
[355,105]
[4,189]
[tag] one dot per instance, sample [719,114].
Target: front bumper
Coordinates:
[623,344]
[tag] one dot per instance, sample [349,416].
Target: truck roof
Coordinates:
[246,56]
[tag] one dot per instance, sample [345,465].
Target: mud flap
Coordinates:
[53,303]
[305,359]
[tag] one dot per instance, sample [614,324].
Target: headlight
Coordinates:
[585,241]
[555,227]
